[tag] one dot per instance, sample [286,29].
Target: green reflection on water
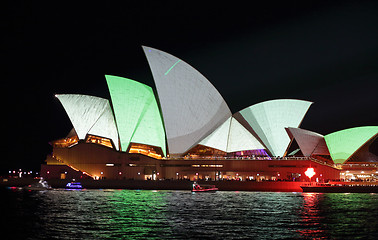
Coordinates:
[130,214]
[138,214]
[347,212]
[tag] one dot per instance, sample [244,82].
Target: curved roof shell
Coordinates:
[309,142]
[269,120]
[343,144]
[191,106]
[136,112]
[90,115]
[231,136]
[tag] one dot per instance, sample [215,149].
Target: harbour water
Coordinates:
[146,214]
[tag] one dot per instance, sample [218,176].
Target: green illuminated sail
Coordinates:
[343,144]
[137,114]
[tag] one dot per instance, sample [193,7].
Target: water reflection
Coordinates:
[138,214]
[130,214]
[351,215]
[311,219]
[338,216]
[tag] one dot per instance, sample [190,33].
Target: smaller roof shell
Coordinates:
[269,119]
[343,144]
[231,136]
[309,142]
[90,115]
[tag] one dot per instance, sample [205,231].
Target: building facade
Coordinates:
[187,131]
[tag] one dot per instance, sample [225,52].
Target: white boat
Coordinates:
[39,186]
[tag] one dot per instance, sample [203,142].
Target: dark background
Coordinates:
[321,51]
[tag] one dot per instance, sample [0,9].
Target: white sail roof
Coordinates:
[90,115]
[240,139]
[269,120]
[219,137]
[231,136]
[309,142]
[191,106]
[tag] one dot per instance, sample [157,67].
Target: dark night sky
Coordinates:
[321,51]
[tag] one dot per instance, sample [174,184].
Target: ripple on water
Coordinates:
[131,214]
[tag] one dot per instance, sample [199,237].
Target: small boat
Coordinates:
[74,186]
[39,186]
[340,188]
[203,188]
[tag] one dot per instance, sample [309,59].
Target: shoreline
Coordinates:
[224,185]
[271,186]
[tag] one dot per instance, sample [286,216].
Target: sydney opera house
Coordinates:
[185,130]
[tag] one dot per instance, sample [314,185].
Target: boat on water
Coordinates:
[74,186]
[203,188]
[341,187]
[42,185]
